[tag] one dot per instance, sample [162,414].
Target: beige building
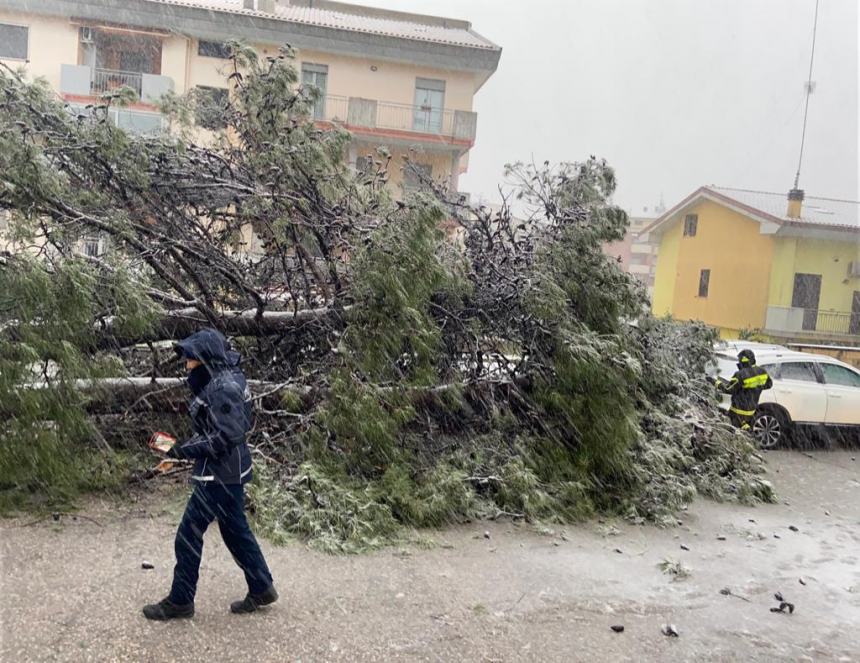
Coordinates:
[398,80]
[637,252]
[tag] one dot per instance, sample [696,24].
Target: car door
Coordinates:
[796,388]
[842,386]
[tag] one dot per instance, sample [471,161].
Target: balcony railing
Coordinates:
[809,321]
[81,80]
[372,114]
[105,80]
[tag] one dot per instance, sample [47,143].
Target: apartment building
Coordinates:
[637,253]
[401,81]
[785,266]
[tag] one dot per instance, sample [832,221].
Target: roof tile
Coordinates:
[389,27]
[815,211]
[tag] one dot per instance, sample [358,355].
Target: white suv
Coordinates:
[809,391]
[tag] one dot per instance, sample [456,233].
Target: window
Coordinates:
[797,370]
[364,165]
[840,375]
[691,224]
[704,282]
[316,76]
[138,122]
[14,41]
[413,173]
[91,247]
[137,61]
[213,49]
[429,102]
[772,370]
[209,107]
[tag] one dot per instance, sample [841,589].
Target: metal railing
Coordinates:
[332,108]
[374,114]
[105,80]
[798,320]
[423,119]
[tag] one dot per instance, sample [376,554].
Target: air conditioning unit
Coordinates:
[854,269]
[87,35]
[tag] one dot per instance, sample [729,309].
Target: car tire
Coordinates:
[771,428]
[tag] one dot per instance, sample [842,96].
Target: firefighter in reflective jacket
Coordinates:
[745,388]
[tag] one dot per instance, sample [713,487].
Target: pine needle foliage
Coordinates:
[406,376]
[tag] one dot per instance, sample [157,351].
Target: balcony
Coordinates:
[789,321]
[84,81]
[394,120]
[106,80]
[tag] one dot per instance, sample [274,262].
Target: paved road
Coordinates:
[72,591]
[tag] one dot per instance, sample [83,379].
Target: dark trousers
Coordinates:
[742,421]
[208,502]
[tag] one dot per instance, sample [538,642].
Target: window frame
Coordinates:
[219,45]
[704,279]
[823,364]
[319,106]
[407,172]
[429,118]
[367,167]
[26,27]
[209,88]
[691,225]
[816,371]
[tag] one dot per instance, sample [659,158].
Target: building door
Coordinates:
[316,76]
[854,325]
[429,102]
[807,290]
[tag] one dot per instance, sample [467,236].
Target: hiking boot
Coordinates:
[166,609]
[253,601]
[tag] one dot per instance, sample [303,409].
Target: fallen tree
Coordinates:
[403,377]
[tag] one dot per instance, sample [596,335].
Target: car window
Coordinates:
[772,370]
[798,370]
[834,374]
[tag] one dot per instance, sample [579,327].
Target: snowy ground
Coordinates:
[72,591]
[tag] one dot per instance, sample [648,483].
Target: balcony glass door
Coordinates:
[429,103]
[316,76]
[807,290]
[854,325]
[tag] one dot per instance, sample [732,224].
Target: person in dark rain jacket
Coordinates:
[745,388]
[221,418]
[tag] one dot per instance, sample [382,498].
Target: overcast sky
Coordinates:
[673,93]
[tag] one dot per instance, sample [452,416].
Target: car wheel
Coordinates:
[770,428]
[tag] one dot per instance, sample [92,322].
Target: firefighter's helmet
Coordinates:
[746,357]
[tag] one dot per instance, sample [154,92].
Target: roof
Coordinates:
[768,207]
[824,211]
[355,18]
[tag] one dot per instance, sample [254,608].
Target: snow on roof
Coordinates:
[388,24]
[769,207]
[822,211]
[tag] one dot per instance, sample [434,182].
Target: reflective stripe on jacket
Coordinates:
[745,388]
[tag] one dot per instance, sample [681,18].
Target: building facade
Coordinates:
[637,252]
[747,261]
[405,82]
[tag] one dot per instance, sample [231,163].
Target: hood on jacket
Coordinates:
[208,346]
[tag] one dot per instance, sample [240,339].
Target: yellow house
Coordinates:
[750,260]
[401,81]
